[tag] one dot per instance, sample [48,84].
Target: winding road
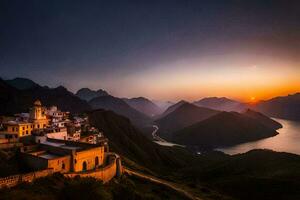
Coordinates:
[171,185]
[161,141]
[155,136]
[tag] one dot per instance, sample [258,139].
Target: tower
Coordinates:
[38,116]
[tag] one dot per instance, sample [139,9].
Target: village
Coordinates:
[50,140]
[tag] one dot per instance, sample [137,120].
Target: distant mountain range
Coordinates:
[88,94]
[121,107]
[222,104]
[225,129]
[181,115]
[286,107]
[163,105]
[18,95]
[144,105]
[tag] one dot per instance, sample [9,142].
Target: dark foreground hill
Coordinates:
[13,100]
[182,116]
[286,107]
[257,174]
[144,105]
[121,107]
[57,187]
[223,129]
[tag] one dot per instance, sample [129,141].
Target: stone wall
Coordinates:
[11,181]
[106,173]
[10,145]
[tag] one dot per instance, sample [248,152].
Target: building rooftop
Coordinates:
[62,145]
[49,156]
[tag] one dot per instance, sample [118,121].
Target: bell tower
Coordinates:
[36,112]
[38,116]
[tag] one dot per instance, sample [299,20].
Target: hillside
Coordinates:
[14,100]
[88,94]
[171,109]
[222,103]
[223,129]
[182,116]
[262,119]
[257,174]
[128,141]
[121,107]
[286,107]
[57,187]
[144,105]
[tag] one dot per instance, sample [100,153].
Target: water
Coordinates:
[288,140]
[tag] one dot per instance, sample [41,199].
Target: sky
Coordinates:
[166,50]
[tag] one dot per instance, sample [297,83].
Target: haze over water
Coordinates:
[288,140]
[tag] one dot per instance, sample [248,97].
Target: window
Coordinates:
[84,166]
[23,128]
[96,161]
[63,166]
[13,128]
[26,132]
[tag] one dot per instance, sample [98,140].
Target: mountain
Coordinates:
[263,119]
[223,129]
[286,107]
[143,105]
[172,108]
[222,103]
[163,105]
[14,100]
[22,83]
[121,107]
[88,94]
[181,115]
[128,141]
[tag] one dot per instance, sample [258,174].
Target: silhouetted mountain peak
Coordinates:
[88,94]
[121,107]
[22,83]
[221,103]
[143,105]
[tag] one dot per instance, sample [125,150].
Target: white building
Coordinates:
[53,133]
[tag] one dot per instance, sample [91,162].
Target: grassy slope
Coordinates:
[131,143]
[58,187]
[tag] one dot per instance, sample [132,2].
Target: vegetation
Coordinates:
[128,141]
[10,163]
[58,187]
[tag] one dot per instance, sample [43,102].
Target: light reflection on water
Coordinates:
[288,140]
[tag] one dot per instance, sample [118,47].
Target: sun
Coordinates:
[252,99]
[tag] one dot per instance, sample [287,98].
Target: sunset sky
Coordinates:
[167,50]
